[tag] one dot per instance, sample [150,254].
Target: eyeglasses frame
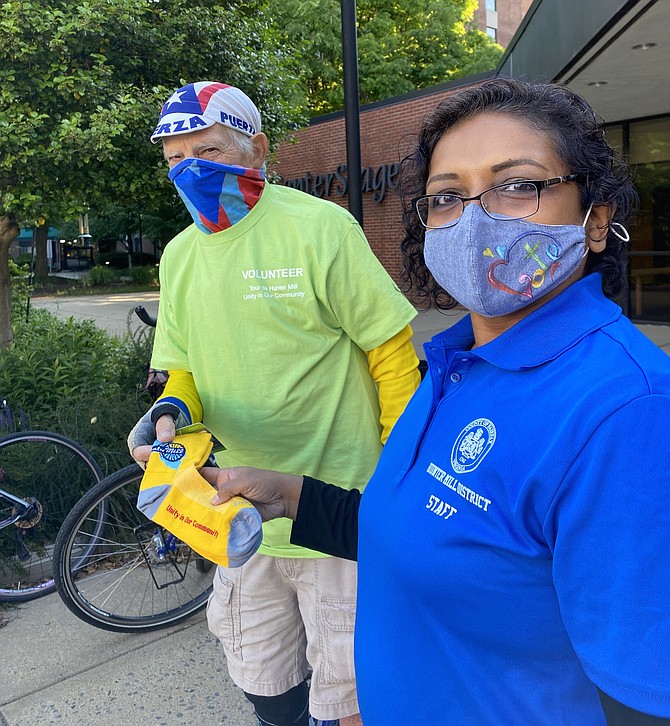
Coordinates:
[538,184]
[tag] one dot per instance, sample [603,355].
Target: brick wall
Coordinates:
[388,132]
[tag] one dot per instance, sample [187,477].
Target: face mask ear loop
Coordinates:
[586,244]
[588,212]
[619,231]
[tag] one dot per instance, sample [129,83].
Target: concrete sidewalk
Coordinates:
[56,669]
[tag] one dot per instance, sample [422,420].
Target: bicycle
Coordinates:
[119,571]
[42,476]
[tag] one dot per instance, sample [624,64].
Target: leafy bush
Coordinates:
[18,275]
[144,275]
[75,379]
[101,275]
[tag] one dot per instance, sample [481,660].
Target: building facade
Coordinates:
[500,19]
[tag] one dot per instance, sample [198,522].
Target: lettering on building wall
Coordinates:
[376,180]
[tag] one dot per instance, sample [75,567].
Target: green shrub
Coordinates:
[75,379]
[101,275]
[18,275]
[144,275]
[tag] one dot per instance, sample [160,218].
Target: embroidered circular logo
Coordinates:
[170,451]
[472,445]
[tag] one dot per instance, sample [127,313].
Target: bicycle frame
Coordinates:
[17,501]
[42,475]
[164,547]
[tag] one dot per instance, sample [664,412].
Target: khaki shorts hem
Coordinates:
[333,711]
[266,689]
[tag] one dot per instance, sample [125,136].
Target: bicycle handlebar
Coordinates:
[145,316]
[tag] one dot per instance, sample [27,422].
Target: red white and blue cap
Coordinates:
[200,105]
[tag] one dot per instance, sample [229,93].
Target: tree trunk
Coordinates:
[9,230]
[41,264]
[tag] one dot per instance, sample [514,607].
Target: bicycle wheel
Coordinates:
[136,576]
[50,472]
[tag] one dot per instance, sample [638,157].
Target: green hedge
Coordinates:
[144,275]
[101,275]
[75,379]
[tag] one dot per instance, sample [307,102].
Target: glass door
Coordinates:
[649,156]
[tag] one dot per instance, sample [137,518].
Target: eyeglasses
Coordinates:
[516,200]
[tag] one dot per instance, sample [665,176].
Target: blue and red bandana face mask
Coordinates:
[217,195]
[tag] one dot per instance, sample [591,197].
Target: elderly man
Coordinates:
[283,333]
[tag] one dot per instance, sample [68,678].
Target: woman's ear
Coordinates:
[597,227]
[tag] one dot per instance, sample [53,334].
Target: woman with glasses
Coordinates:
[512,543]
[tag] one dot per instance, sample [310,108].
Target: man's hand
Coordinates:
[273,494]
[159,422]
[164,431]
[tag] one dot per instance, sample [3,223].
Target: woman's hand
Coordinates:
[272,493]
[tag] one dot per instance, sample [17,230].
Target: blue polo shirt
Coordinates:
[514,540]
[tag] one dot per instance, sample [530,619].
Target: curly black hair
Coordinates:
[579,139]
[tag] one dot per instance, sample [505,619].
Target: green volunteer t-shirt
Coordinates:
[272,317]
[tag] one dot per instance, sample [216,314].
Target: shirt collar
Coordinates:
[544,334]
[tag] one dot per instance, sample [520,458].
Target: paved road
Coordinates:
[112,312]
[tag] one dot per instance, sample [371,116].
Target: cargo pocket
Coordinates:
[338,618]
[223,613]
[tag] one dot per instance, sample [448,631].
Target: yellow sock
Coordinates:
[174,495]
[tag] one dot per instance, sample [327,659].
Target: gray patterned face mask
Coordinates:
[495,267]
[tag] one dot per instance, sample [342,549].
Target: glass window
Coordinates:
[492,32]
[649,156]
[615,136]
[491,5]
[650,141]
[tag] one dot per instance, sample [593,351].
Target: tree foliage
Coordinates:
[402,46]
[81,85]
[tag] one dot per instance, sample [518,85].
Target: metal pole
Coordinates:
[31,274]
[139,214]
[351,115]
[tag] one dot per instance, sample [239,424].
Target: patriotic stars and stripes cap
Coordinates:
[199,105]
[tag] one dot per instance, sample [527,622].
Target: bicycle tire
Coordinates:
[52,471]
[132,581]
